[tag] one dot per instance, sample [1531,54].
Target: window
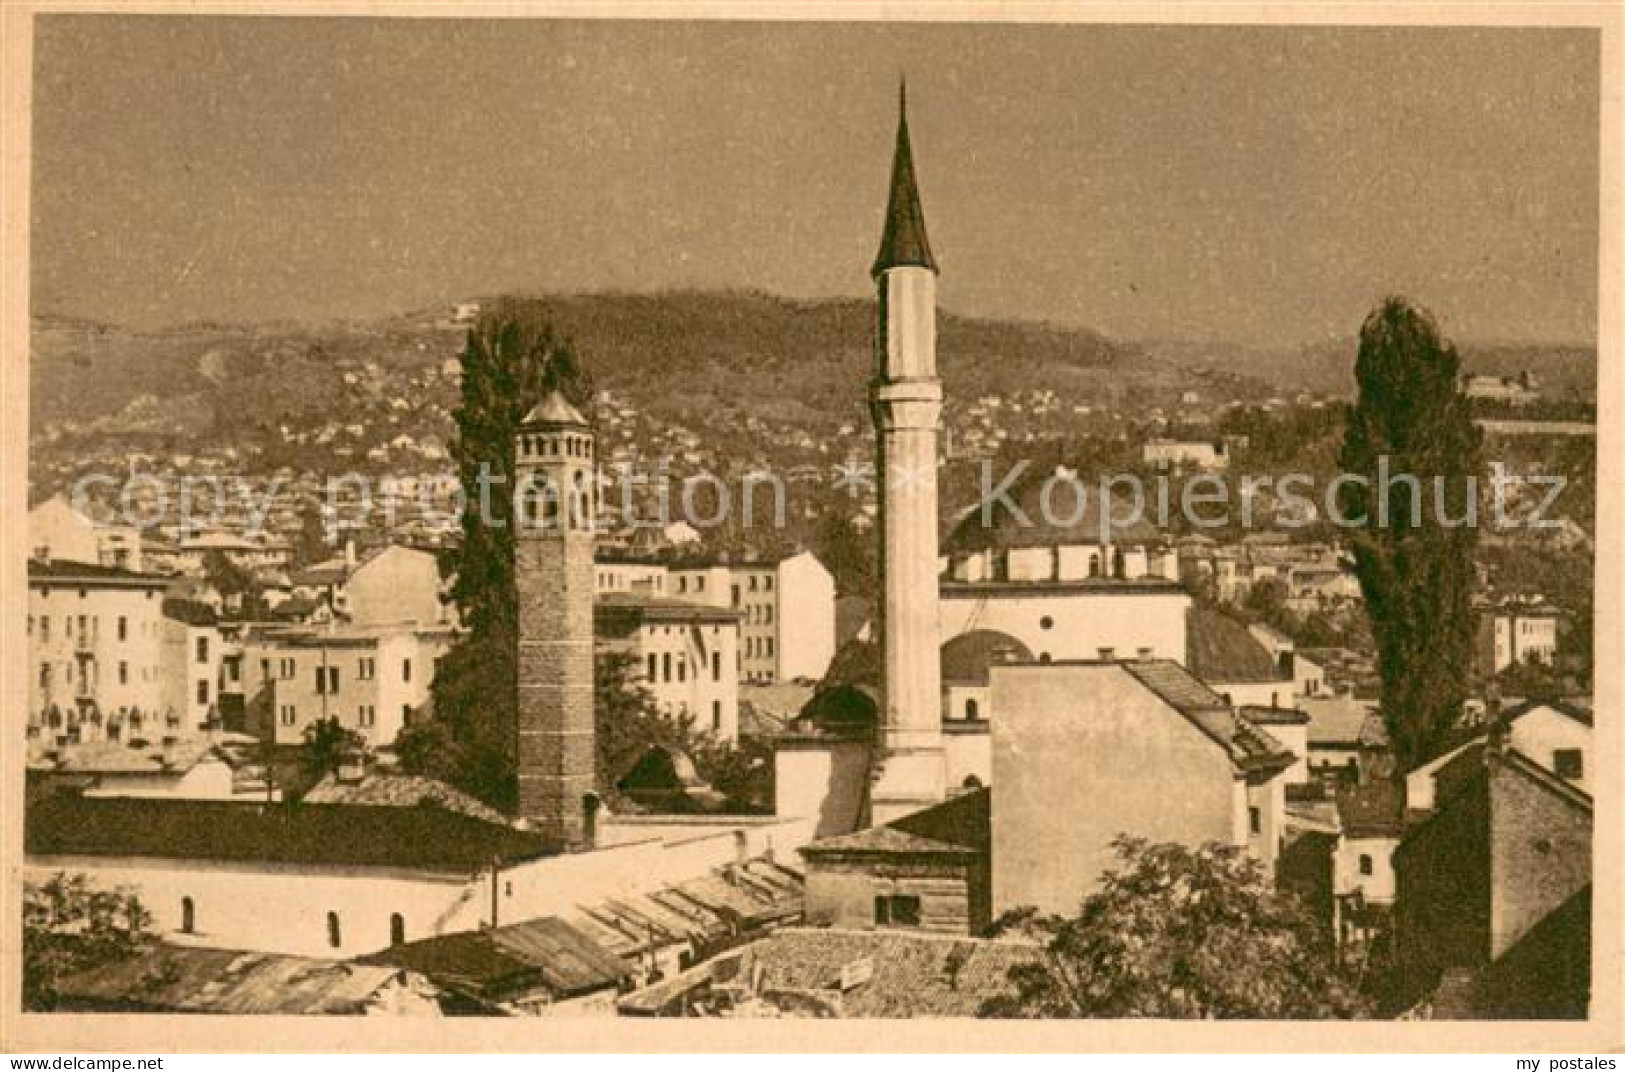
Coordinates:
[397,929]
[123,672]
[45,627]
[287,714]
[406,669]
[1255,820]
[716,666]
[188,916]
[654,666]
[736,595]
[265,668]
[202,690]
[123,627]
[365,669]
[335,937]
[767,583]
[665,666]
[202,649]
[1046,622]
[1568,763]
[897,910]
[367,715]
[682,669]
[716,716]
[972,710]
[327,680]
[1366,866]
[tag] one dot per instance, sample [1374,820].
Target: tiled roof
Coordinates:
[64,572]
[1335,721]
[424,838]
[1578,714]
[225,981]
[115,757]
[401,791]
[1176,685]
[1372,809]
[628,609]
[958,826]
[496,965]
[1274,716]
[1219,648]
[913,974]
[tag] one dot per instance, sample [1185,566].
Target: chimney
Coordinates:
[1144,653]
[1107,654]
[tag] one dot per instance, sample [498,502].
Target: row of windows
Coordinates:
[759,647]
[661,665]
[554,446]
[84,593]
[335,928]
[88,676]
[327,677]
[366,714]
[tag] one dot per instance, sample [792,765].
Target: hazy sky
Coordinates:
[1252,184]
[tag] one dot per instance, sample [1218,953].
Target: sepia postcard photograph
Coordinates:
[549,529]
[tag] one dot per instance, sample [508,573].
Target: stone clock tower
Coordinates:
[553,569]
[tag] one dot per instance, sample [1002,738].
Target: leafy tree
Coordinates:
[628,724]
[1179,933]
[230,579]
[512,359]
[1413,559]
[327,743]
[70,926]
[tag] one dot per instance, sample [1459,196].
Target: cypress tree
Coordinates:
[1414,550]
[511,360]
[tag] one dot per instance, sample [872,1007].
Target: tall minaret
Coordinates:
[553,570]
[905,399]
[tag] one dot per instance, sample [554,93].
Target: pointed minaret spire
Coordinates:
[904,241]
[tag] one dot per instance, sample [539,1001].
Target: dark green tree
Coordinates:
[70,926]
[1178,933]
[327,742]
[1413,543]
[511,360]
[628,723]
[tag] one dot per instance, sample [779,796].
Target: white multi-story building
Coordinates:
[687,655]
[95,642]
[371,679]
[786,606]
[190,651]
[1514,633]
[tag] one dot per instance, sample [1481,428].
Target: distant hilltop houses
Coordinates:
[1520,390]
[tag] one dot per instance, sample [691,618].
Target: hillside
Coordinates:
[701,351]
